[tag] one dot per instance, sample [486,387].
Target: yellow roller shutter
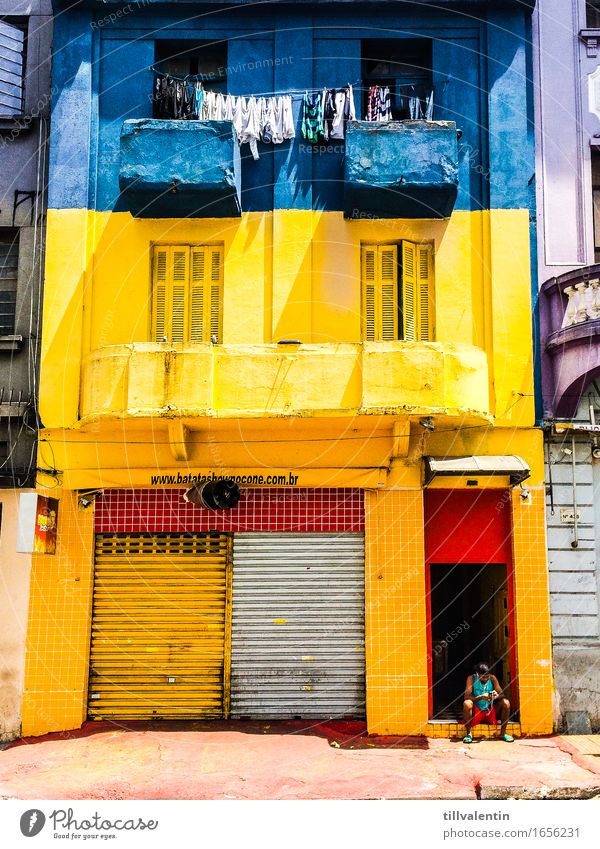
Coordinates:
[160,626]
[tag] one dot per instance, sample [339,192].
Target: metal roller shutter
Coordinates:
[160,626]
[298,626]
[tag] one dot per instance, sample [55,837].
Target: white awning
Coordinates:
[510,465]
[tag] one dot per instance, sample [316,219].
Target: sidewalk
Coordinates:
[286,760]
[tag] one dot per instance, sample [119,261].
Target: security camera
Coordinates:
[88,496]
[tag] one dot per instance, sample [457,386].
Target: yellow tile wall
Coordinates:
[532,613]
[396,646]
[58,636]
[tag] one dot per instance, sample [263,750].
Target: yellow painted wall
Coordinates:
[58,636]
[287,274]
[396,615]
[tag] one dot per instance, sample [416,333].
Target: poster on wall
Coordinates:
[44,536]
[37,524]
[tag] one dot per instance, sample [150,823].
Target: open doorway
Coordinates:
[469,622]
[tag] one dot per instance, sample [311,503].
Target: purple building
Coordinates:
[566,40]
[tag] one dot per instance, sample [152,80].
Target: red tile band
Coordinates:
[292,510]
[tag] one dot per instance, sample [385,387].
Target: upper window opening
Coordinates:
[9,270]
[12,66]
[397,292]
[202,61]
[403,66]
[207,61]
[592,14]
[187,293]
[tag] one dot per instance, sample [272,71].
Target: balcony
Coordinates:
[404,169]
[250,381]
[180,169]
[570,329]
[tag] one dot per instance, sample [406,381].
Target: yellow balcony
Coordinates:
[232,381]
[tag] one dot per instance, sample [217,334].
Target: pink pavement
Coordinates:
[286,760]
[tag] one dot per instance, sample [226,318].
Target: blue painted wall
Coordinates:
[102,78]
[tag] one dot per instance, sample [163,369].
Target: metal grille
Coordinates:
[160,626]
[298,626]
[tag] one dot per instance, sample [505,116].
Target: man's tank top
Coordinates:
[478,689]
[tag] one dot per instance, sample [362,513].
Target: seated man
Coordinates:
[483,694]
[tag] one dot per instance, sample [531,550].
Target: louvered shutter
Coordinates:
[216,293]
[197,293]
[12,55]
[9,271]
[179,293]
[409,293]
[425,307]
[388,288]
[160,294]
[369,284]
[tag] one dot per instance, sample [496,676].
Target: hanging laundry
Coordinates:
[324,115]
[288,130]
[429,108]
[270,120]
[250,131]
[312,117]
[379,108]
[328,106]
[344,111]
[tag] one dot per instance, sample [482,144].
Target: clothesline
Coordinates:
[297,92]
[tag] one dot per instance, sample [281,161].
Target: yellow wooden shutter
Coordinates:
[159,293]
[179,293]
[409,294]
[216,293]
[197,295]
[388,288]
[206,294]
[425,292]
[369,263]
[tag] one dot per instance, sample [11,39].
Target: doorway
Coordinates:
[469,621]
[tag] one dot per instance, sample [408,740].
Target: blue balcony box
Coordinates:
[403,169]
[180,169]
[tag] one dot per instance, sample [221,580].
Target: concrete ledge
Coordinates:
[200,379]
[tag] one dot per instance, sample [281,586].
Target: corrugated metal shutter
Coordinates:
[160,626]
[298,626]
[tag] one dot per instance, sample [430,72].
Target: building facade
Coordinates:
[567,69]
[25,43]
[335,316]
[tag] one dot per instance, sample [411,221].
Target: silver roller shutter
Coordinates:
[298,626]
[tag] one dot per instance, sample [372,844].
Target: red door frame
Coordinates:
[466,526]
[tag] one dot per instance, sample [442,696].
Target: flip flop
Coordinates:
[507,738]
[467,739]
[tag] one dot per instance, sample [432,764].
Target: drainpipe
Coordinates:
[575,541]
